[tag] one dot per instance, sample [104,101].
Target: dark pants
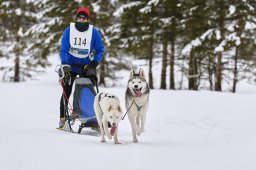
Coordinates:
[68,90]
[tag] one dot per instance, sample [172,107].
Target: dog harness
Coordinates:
[106,95]
[138,107]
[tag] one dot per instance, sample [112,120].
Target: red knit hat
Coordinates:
[83,10]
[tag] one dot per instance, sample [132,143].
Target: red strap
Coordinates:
[66,97]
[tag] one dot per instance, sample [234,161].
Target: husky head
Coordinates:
[137,85]
[114,115]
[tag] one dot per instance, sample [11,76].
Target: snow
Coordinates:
[20,32]
[49,39]
[155,2]
[232,9]
[166,20]
[251,8]
[250,26]
[234,37]
[6,4]
[206,34]
[146,9]
[96,7]
[231,37]
[185,130]
[220,48]
[194,43]
[218,35]
[79,1]
[30,1]
[231,27]
[116,28]
[18,11]
[121,9]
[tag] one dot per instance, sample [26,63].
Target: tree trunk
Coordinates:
[151,52]
[16,77]
[218,76]
[192,72]
[210,72]
[218,72]
[172,83]
[173,30]
[102,72]
[235,72]
[164,64]
[17,69]
[150,74]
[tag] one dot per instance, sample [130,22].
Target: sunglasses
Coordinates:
[82,17]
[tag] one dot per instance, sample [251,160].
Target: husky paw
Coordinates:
[135,140]
[103,141]
[117,142]
[109,136]
[139,132]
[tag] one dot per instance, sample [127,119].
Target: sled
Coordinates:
[83,101]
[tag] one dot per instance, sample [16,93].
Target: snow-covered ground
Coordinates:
[185,130]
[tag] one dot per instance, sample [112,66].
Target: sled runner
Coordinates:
[83,99]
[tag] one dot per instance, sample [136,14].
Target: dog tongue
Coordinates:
[113,130]
[138,93]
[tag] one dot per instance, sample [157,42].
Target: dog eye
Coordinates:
[111,117]
[139,81]
[117,117]
[133,82]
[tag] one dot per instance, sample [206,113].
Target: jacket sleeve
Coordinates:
[65,47]
[98,46]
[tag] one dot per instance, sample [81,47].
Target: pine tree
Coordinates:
[55,16]
[105,22]
[17,16]
[195,24]
[242,30]
[170,13]
[139,23]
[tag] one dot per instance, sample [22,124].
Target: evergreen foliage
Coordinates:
[201,44]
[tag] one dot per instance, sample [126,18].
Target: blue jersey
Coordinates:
[67,58]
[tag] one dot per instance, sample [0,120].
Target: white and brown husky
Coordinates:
[108,110]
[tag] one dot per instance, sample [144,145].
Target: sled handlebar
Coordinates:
[62,69]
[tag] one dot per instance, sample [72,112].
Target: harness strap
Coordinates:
[128,110]
[138,107]
[69,106]
[99,103]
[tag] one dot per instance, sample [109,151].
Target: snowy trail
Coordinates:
[185,130]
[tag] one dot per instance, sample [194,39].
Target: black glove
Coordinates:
[91,72]
[93,64]
[90,69]
[66,70]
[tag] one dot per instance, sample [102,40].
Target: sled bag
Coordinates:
[83,100]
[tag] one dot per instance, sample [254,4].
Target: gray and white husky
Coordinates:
[136,101]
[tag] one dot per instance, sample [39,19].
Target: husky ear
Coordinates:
[110,108]
[131,74]
[142,73]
